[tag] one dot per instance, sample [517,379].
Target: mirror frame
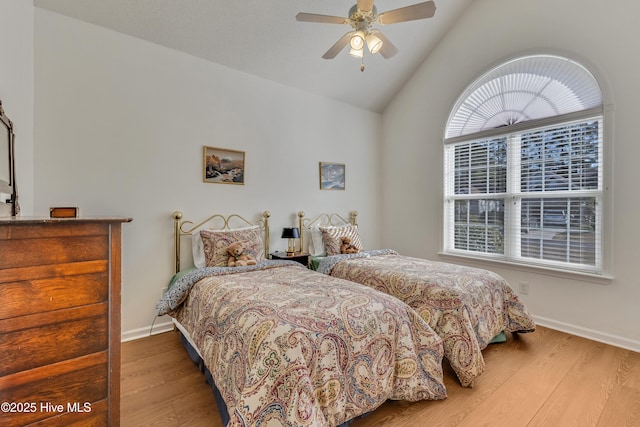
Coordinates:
[9,187]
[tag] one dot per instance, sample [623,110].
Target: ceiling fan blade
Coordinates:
[409,13]
[338,46]
[388,49]
[325,19]
[365,5]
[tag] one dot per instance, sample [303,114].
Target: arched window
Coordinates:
[523,166]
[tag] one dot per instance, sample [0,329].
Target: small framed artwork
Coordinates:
[223,166]
[332,176]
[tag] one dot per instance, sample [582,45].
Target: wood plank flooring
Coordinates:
[547,378]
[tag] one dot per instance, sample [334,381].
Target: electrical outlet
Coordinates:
[524,288]
[162,292]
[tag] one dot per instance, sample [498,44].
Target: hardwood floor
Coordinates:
[546,378]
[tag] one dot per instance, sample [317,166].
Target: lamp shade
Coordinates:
[357,40]
[290,233]
[373,43]
[356,53]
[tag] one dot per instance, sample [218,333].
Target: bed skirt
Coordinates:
[195,357]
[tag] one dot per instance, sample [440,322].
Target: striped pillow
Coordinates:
[331,237]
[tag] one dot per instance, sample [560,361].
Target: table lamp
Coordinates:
[291,233]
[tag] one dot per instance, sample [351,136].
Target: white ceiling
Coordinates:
[264,39]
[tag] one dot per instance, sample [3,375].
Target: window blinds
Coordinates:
[524,89]
[523,166]
[531,196]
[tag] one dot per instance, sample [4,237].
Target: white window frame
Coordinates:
[513,196]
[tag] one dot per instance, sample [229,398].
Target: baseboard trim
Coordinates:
[147,331]
[591,334]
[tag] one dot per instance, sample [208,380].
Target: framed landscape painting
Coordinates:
[332,176]
[223,166]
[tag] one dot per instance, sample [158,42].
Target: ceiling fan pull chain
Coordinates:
[362,64]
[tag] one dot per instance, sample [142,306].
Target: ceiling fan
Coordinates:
[361,18]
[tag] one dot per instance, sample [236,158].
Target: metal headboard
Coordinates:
[326,219]
[185,228]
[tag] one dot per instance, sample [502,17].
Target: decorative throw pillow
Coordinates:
[316,243]
[331,237]
[197,249]
[215,242]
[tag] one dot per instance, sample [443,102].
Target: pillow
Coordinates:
[331,237]
[316,245]
[214,245]
[197,248]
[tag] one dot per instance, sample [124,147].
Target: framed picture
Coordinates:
[223,166]
[332,176]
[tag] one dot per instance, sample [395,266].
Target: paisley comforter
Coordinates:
[466,306]
[289,346]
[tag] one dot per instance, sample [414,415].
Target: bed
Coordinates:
[284,345]
[468,307]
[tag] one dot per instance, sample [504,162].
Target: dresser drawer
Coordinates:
[56,250]
[75,382]
[54,293]
[27,342]
[19,229]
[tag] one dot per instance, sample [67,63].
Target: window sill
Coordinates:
[603,279]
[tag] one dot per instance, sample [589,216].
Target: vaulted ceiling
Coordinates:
[263,38]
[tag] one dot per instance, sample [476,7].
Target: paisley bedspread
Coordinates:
[466,306]
[289,346]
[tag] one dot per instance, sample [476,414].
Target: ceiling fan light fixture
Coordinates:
[356,53]
[362,16]
[373,43]
[357,40]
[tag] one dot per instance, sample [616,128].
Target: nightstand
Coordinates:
[301,257]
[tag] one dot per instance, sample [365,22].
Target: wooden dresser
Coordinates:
[60,321]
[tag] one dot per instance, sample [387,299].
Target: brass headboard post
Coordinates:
[265,219]
[301,228]
[177,216]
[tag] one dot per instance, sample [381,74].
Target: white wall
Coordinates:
[120,125]
[603,36]
[120,129]
[16,89]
